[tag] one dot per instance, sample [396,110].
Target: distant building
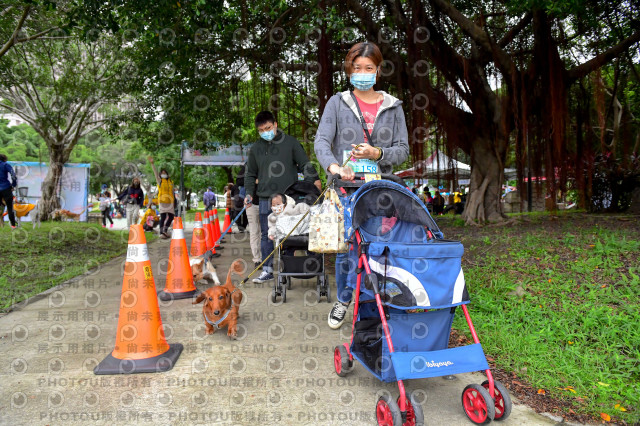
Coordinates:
[14,119]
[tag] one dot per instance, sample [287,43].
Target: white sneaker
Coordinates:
[337,315]
[264,276]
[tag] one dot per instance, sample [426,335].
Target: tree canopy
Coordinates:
[545,86]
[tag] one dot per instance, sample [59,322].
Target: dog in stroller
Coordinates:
[408,284]
[293,221]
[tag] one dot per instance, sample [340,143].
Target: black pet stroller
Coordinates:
[299,266]
[408,283]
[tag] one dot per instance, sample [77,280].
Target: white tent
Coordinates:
[437,164]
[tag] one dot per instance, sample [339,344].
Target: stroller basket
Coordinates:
[311,264]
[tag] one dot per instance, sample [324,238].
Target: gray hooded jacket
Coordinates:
[340,127]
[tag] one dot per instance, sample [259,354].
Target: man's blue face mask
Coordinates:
[269,135]
[363,81]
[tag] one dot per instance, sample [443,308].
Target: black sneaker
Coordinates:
[264,277]
[337,315]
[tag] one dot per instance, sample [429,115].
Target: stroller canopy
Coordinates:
[386,199]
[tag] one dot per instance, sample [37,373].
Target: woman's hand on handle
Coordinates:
[366,151]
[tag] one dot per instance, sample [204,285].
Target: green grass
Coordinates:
[34,260]
[191,214]
[576,330]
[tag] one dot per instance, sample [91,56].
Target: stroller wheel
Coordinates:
[477,404]
[415,415]
[283,291]
[502,401]
[288,283]
[274,296]
[388,412]
[341,361]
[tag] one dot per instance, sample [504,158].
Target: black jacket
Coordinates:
[276,165]
[132,193]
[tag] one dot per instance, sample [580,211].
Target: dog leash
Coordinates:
[224,317]
[243,282]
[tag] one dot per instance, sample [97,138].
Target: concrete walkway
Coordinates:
[279,371]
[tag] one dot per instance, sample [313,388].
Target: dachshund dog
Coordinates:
[221,304]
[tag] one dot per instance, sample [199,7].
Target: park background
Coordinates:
[547,88]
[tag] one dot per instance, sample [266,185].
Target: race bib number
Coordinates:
[362,165]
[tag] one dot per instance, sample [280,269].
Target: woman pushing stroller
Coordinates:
[377,137]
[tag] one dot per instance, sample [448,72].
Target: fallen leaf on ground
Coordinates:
[606,385]
[619,407]
[605,417]
[542,392]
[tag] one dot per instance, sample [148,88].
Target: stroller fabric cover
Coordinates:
[413,270]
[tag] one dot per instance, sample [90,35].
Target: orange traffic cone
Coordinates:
[215,225]
[198,242]
[207,231]
[179,283]
[211,246]
[141,346]
[227,222]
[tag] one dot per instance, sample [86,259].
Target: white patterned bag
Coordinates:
[284,225]
[326,227]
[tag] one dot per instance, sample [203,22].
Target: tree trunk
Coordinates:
[483,202]
[51,183]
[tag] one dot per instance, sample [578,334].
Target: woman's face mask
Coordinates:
[363,81]
[164,175]
[277,209]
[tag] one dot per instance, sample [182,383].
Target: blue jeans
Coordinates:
[344,292]
[266,245]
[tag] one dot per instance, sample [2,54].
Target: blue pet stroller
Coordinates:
[408,283]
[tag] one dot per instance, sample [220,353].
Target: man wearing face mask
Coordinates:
[274,160]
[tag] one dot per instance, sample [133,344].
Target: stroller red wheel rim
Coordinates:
[384,414]
[411,415]
[499,401]
[475,406]
[337,360]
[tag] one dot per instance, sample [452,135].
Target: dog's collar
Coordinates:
[224,317]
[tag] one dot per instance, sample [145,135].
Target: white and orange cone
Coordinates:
[198,242]
[179,283]
[141,346]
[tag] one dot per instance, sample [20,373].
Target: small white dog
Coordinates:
[202,268]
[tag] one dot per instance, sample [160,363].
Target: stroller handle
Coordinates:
[360,176]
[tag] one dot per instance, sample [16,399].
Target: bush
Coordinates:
[614,180]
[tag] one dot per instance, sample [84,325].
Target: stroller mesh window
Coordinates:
[387,202]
